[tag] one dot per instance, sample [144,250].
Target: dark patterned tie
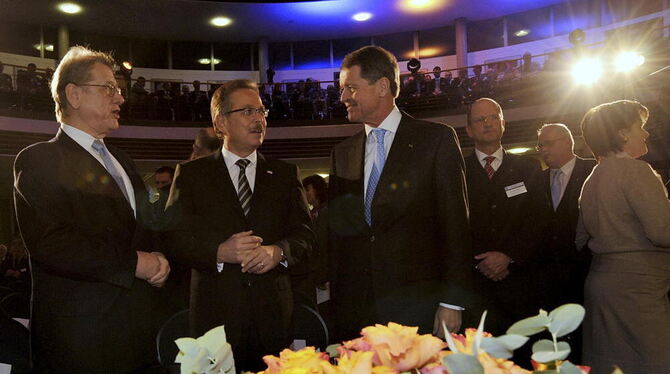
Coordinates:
[99,147]
[243,188]
[488,167]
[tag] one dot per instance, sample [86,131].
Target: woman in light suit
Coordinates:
[625,218]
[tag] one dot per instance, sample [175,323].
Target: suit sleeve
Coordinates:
[297,244]
[452,203]
[178,236]
[50,228]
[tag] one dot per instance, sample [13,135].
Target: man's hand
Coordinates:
[262,260]
[493,264]
[451,317]
[158,280]
[152,267]
[237,247]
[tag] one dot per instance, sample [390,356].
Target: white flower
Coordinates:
[209,354]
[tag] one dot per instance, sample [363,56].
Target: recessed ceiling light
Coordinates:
[521,33]
[362,16]
[47,47]
[206,61]
[220,21]
[69,8]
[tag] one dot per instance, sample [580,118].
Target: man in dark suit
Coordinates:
[561,267]
[398,215]
[241,222]
[501,217]
[79,205]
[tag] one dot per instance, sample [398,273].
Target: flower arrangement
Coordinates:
[209,354]
[396,349]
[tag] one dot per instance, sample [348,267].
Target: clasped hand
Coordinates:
[494,265]
[245,248]
[152,267]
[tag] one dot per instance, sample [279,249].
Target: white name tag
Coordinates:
[515,189]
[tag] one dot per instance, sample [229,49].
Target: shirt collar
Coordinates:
[497,154]
[82,138]
[390,123]
[230,158]
[569,166]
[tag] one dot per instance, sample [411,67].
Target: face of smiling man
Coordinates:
[366,102]
[243,134]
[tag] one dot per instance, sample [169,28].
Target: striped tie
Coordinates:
[488,167]
[375,173]
[243,188]
[99,147]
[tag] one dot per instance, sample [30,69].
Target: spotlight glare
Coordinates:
[627,61]
[420,6]
[69,8]
[587,71]
[362,16]
[519,150]
[47,47]
[206,61]
[522,33]
[220,21]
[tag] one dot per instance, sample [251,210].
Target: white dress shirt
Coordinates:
[230,159]
[565,176]
[495,164]
[390,124]
[86,140]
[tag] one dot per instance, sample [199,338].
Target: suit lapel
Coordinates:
[264,176]
[88,168]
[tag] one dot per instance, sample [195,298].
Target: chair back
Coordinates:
[174,328]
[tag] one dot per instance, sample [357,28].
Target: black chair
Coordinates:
[174,328]
[15,305]
[310,327]
[14,345]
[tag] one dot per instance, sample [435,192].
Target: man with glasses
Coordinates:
[241,221]
[501,217]
[561,268]
[79,204]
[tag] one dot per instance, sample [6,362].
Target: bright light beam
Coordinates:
[627,61]
[587,71]
[362,16]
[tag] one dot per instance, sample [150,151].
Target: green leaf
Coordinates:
[531,325]
[565,319]
[543,345]
[332,350]
[549,356]
[568,368]
[461,363]
[502,346]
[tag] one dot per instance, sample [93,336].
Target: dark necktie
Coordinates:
[99,147]
[488,167]
[243,188]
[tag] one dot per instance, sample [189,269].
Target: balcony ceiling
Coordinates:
[251,21]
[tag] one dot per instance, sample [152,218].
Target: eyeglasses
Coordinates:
[112,89]
[248,112]
[492,117]
[546,144]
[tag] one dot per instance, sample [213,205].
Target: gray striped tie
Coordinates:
[243,188]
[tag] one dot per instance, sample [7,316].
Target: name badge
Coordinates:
[515,189]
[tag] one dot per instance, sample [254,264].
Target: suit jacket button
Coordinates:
[372,239]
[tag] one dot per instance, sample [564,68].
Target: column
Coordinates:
[263,59]
[415,35]
[461,43]
[505,37]
[63,40]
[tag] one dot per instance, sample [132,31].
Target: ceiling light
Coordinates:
[206,61]
[587,71]
[627,61]
[521,33]
[362,16]
[420,6]
[518,150]
[69,8]
[47,47]
[220,21]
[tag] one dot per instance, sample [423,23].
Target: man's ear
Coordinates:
[383,86]
[73,95]
[220,124]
